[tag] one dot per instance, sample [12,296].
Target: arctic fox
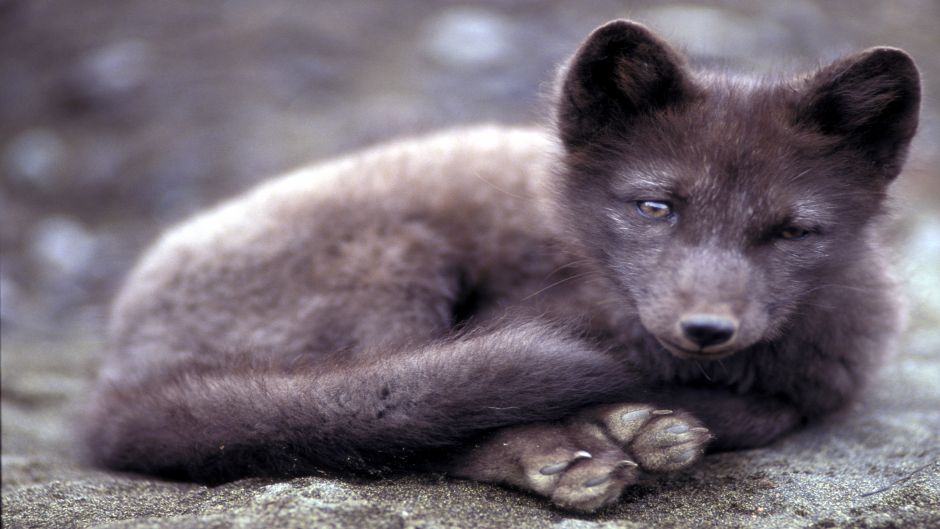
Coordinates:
[684,261]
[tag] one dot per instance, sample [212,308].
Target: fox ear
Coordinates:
[869,101]
[620,72]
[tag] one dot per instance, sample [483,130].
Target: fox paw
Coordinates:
[579,480]
[659,440]
[622,441]
[585,463]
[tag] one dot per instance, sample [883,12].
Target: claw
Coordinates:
[636,415]
[550,470]
[699,430]
[555,468]
[595,481]
[626,463]
[582,454]
[662,412]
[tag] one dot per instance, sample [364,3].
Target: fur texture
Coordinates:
[692,261]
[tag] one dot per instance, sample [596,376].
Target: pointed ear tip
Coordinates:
[621,23]
[896,58]
[888,51]
[619,27]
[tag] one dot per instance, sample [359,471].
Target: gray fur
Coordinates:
[485,301]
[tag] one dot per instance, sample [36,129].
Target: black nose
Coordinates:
[705,330]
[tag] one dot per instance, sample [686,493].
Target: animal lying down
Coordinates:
[685,261]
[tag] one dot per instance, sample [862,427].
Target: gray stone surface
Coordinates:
[875,466]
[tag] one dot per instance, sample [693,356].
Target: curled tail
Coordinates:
[220,422]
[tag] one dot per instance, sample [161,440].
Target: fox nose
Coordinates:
[705,329]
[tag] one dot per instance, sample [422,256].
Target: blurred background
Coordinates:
[118,119]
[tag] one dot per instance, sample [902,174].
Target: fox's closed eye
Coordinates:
[793,233]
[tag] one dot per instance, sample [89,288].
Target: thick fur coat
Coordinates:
[686,261]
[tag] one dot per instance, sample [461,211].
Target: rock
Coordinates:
[9,298]
[921,273]
[111,71]
[876,465]
[709,33]
[35,158]
[467,38]
[63,246]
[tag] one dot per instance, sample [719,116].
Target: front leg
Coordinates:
[584,463]
[736,420]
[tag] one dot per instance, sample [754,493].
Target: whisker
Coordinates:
[702,369]
[556,283]
[498,188]
[847,287]
[566,265]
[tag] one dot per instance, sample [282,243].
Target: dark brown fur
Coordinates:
[484,302]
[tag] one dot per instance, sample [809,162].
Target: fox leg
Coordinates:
[736,420]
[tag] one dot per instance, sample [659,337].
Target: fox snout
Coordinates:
[708,306]
[705,332]
[708,330]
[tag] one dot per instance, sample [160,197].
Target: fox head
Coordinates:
[719,206]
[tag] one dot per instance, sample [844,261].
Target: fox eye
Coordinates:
[654,209]
[792,233]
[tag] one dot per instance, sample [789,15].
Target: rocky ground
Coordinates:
[117,119]
[875,466]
